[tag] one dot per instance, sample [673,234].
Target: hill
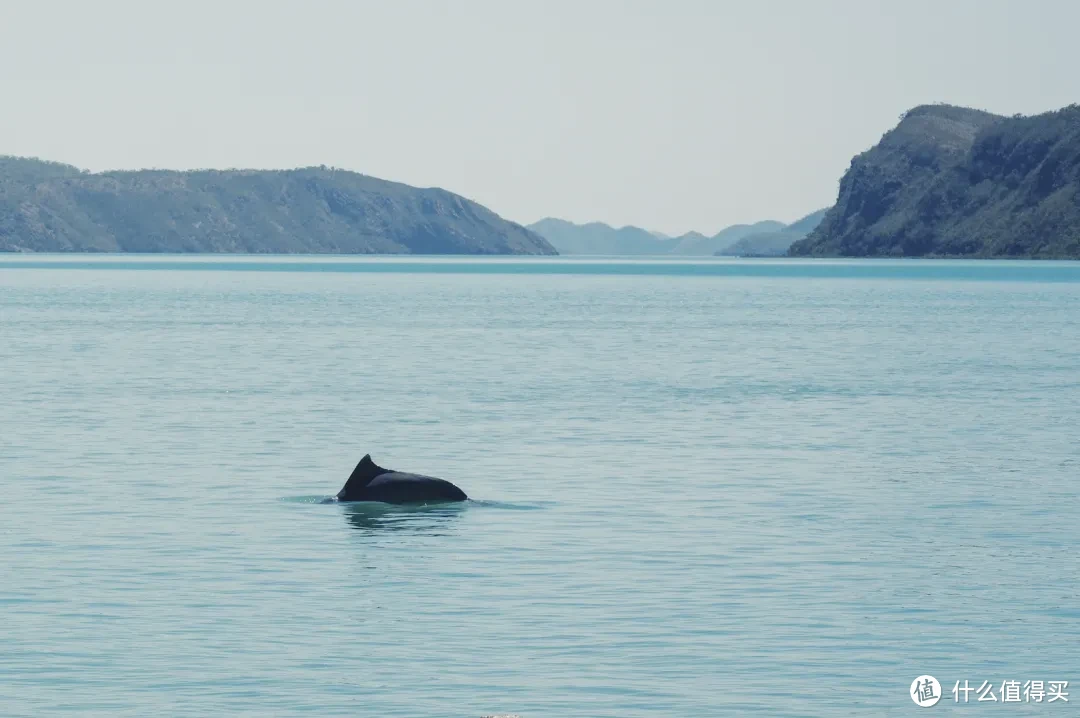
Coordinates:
[699,245]
[600,239]
[953,181]
[51,207]
[773,244]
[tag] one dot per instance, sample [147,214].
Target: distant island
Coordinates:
[956,182]
[52,207]
[767,237]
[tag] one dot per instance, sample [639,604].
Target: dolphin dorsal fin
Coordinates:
[362,475]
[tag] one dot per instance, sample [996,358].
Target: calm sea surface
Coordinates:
[700,488]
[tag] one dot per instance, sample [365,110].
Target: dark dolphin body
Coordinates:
[371,482]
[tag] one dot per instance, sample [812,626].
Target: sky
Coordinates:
[673,115]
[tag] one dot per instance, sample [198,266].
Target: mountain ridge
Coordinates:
[54,207]
[598,238]
[776,243]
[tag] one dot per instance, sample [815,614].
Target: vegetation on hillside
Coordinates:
[50,207]
[952,181]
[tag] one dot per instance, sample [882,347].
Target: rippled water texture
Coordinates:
[700,488]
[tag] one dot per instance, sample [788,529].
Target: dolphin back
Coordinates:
[402,487]
[371,482]
[361,476]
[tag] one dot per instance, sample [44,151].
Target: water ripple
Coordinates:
[700,488]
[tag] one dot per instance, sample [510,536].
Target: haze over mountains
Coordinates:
[946,181]
[774,244]
[52,207]
[953,181]
[768,238]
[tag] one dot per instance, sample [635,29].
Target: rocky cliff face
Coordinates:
[952,181]
[49,207]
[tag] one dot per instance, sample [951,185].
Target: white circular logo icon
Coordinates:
[925,691]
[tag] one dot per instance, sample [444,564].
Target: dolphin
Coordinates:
[371,482]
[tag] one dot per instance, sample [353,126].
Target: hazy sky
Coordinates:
[669,114]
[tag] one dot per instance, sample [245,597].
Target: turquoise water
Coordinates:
[700,487]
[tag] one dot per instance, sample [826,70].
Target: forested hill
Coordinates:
[51,207]
[952,181]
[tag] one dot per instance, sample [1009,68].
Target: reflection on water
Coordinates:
[427,519]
